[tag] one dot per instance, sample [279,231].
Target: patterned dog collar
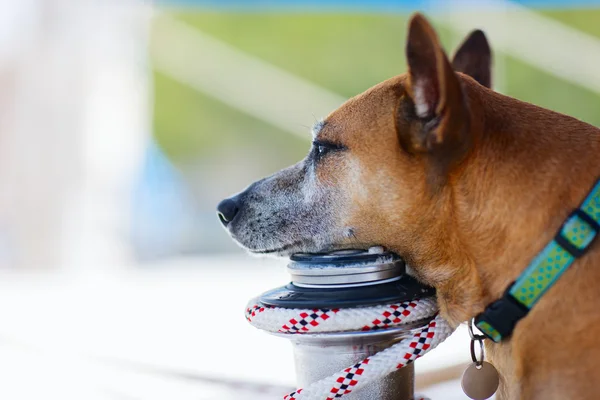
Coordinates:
[573,239]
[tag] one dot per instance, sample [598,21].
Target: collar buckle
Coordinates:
[498,320]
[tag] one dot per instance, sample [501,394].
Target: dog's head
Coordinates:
[379,168]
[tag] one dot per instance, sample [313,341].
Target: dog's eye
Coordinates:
[321,149]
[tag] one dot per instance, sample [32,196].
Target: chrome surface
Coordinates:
[383,266]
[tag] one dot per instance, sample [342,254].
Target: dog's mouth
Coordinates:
[281,238]
[282,250]
[301,247]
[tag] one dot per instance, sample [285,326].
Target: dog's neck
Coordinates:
[529,168]
[537,167]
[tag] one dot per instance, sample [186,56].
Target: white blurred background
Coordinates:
[122,123]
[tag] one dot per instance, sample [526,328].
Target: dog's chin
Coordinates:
[300,247]
[283,251]
[286,250]
[314,245]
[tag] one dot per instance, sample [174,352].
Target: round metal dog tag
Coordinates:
[480,383]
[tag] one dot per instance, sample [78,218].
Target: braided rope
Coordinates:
[297,321]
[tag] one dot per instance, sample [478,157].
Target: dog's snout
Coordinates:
[227,210]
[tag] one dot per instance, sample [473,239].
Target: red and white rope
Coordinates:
[297,321]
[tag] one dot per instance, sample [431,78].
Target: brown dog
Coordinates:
[468,186]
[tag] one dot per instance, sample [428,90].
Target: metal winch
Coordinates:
[349,279]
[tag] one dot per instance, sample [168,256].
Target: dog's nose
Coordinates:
[227,209]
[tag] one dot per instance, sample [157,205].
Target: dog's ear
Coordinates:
[474,58]
[433,118]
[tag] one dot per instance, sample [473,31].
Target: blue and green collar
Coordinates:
[572,240]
